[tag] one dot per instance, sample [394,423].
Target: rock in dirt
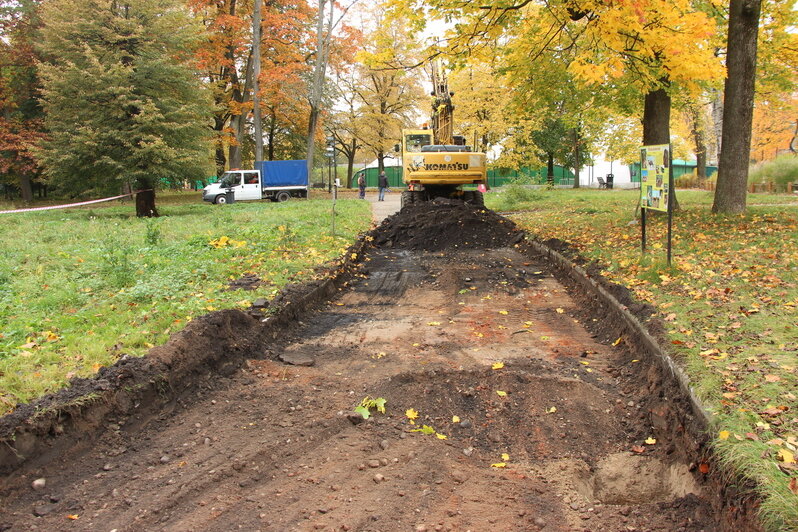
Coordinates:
[42,509]
[39,484]
[355,418]
[297,359]
[459,476]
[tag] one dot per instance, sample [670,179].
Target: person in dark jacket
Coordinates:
[361,185]
[382,183]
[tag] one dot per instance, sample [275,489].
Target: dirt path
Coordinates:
[275,447]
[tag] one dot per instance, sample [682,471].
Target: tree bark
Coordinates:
[738,107]
[657,118]
[256,118]
[317,86]
[272,132]
[577,165]
[350,162]
[25,188]
[145,204]
[550,169]
[717,127]
[700,143]
[238,121]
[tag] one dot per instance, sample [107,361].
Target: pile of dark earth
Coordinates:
[435,227]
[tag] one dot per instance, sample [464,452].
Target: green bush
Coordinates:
[510,197]
[780,171]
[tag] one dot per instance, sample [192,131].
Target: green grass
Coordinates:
[81,287]
[729,301]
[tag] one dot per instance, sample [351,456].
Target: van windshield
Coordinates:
[230,179]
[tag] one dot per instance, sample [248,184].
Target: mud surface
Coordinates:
[440,299]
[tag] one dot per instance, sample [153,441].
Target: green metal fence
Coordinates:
[496,176]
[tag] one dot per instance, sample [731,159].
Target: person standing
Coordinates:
[361,184]
[382,183]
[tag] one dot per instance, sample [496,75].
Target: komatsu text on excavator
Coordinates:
[437,163]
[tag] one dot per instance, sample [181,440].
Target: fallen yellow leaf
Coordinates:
[551,410]
[505,457]
[455,419]
[411,413]
[497,365]
[724,435]
[651,441]
[440,436]
[503,312]
[560,310]
[499,464]
[501,393]
[786,456]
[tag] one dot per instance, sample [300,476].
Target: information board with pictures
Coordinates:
[655,168]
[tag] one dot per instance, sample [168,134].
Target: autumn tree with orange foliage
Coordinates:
[21,126]
[288,51]
[227,63]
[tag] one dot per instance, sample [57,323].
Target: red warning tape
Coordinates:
[66,206]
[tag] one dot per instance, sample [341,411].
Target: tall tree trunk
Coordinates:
[234,150]
[256,118]
[550,169]
[350,162]
[221,160]
[697,121]
[272,133]
[577,164]
[738,107]
[145,200]
[657,123]
[26,188]
[317,86]
[717,127]
[241,95]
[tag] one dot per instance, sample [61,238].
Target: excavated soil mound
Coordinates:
[432,227]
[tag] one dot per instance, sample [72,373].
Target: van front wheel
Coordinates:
[282,196]
[220,200]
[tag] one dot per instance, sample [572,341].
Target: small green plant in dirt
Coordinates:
[152,236]
[367,404]
[116,264]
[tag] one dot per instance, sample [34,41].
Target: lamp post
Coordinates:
[332,184]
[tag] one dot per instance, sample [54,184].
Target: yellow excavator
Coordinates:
[436,163]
